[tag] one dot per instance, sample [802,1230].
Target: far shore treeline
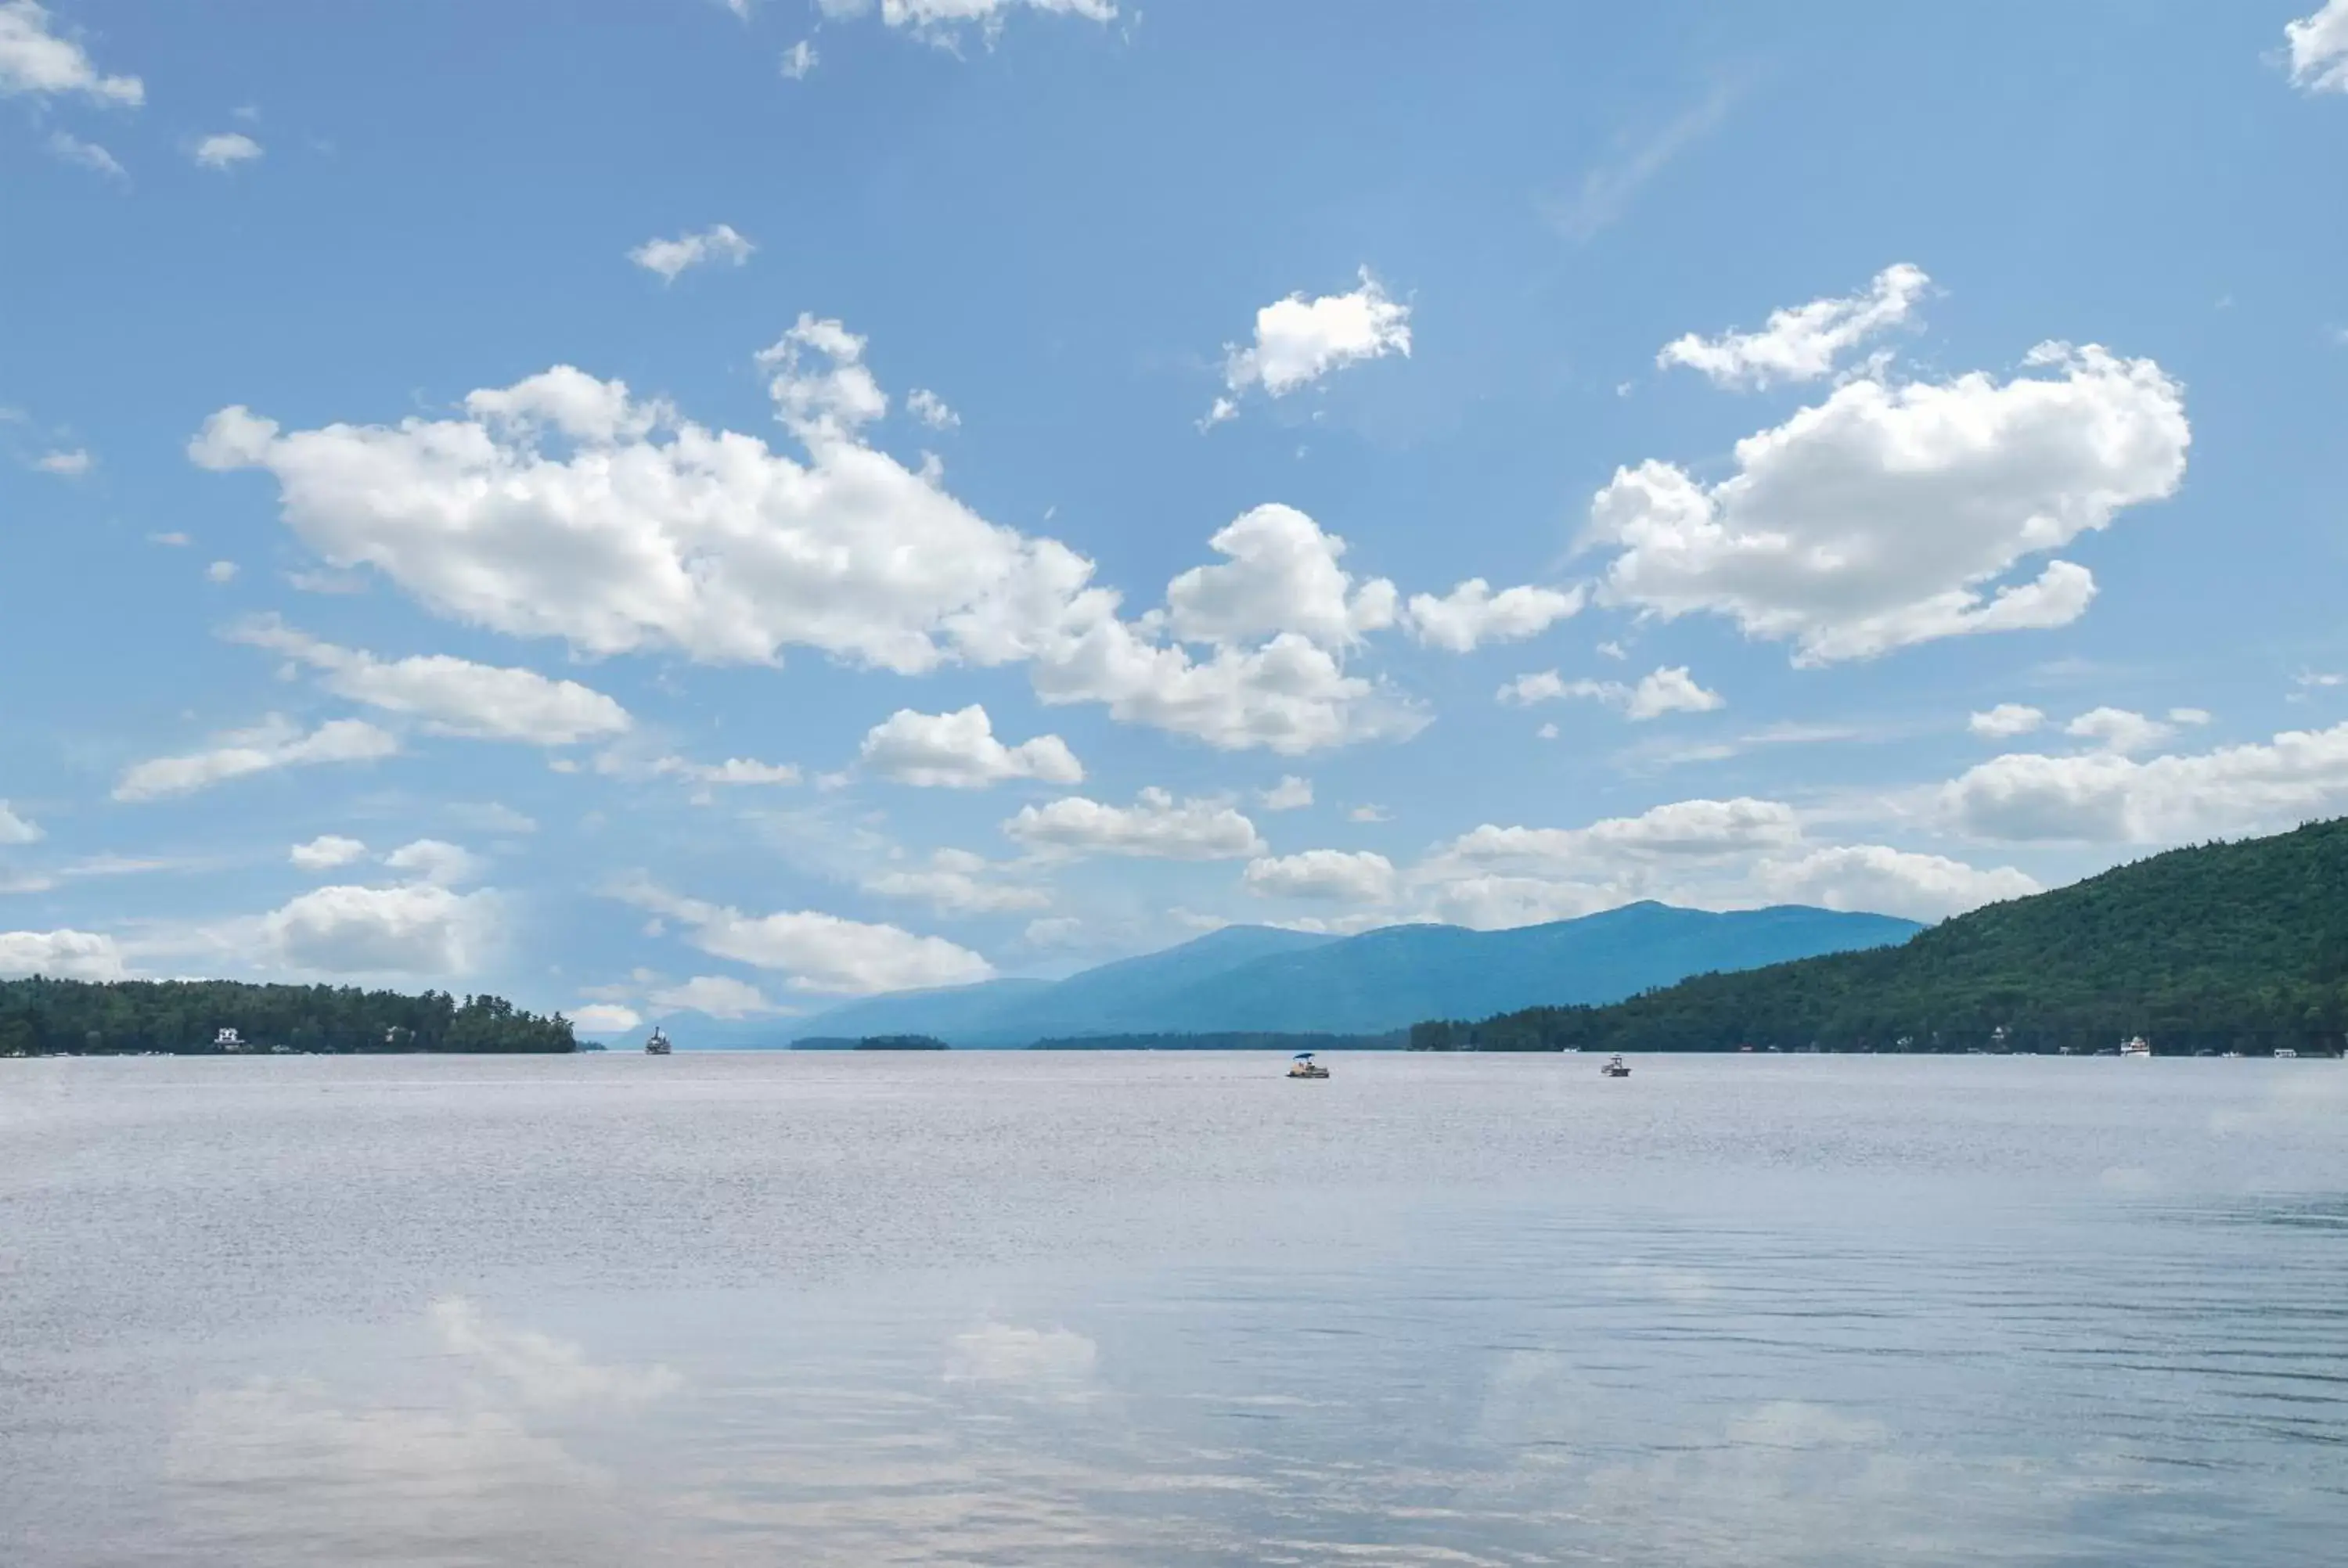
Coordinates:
[1240,1041]
[184,1018]
[2224,947]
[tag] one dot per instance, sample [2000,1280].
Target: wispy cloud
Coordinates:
[89,155]
[1608,186]
[1656,755]
[68,464]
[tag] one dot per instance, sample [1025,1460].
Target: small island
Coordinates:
[869,1042]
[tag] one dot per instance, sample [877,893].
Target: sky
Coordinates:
[642,506]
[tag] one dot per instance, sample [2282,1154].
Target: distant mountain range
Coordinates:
[1261,979]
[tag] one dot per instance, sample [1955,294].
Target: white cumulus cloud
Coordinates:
[1156,826]
[815,951]
[2005,721]
[1472,614]
[415,929]
[326,851]
[716,243]
[60,955]
[1801,342]
[1687,828]
[732,771]
[1668,690]
[1340,875]
[1706,853]
[931,409]
[1298,341]
[645,531]
[959,751]
[564,506]
[1288,696]
[1280,575]
[453,696]
[1289,693]
[275,743]
[2103,797]
[2119,730]
[435,861]
[15,829]
[1884,515]
[718,996]
[225,150]
[36,62]
[2318,49]
[67,463]
[1291,793]
[799,59]
[603,1017]
[956,882]
[1880,880]
[944,22]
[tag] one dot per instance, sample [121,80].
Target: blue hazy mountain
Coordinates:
[1017,1012]
[1257,977]
[895,1012]
[945,1011]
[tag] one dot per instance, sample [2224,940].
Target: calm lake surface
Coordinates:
[1039,1308]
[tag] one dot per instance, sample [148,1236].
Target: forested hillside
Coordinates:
[2226,946]
[185,1016]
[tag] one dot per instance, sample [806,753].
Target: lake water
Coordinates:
[1170,1309]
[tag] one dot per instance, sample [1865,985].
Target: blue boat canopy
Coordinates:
[1303,1056]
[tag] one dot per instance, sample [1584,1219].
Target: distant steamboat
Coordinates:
[656,1043]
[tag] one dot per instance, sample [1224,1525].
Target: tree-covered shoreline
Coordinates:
[41,1017]
[2222,946]
[1241,1039]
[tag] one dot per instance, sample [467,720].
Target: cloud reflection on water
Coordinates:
[839,1444]
[289,1470]
[541,1369]
[1059,1360]
[279,1473]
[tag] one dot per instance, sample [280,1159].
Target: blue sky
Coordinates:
[658,505]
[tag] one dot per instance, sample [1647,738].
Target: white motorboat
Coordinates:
[1615,1068]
